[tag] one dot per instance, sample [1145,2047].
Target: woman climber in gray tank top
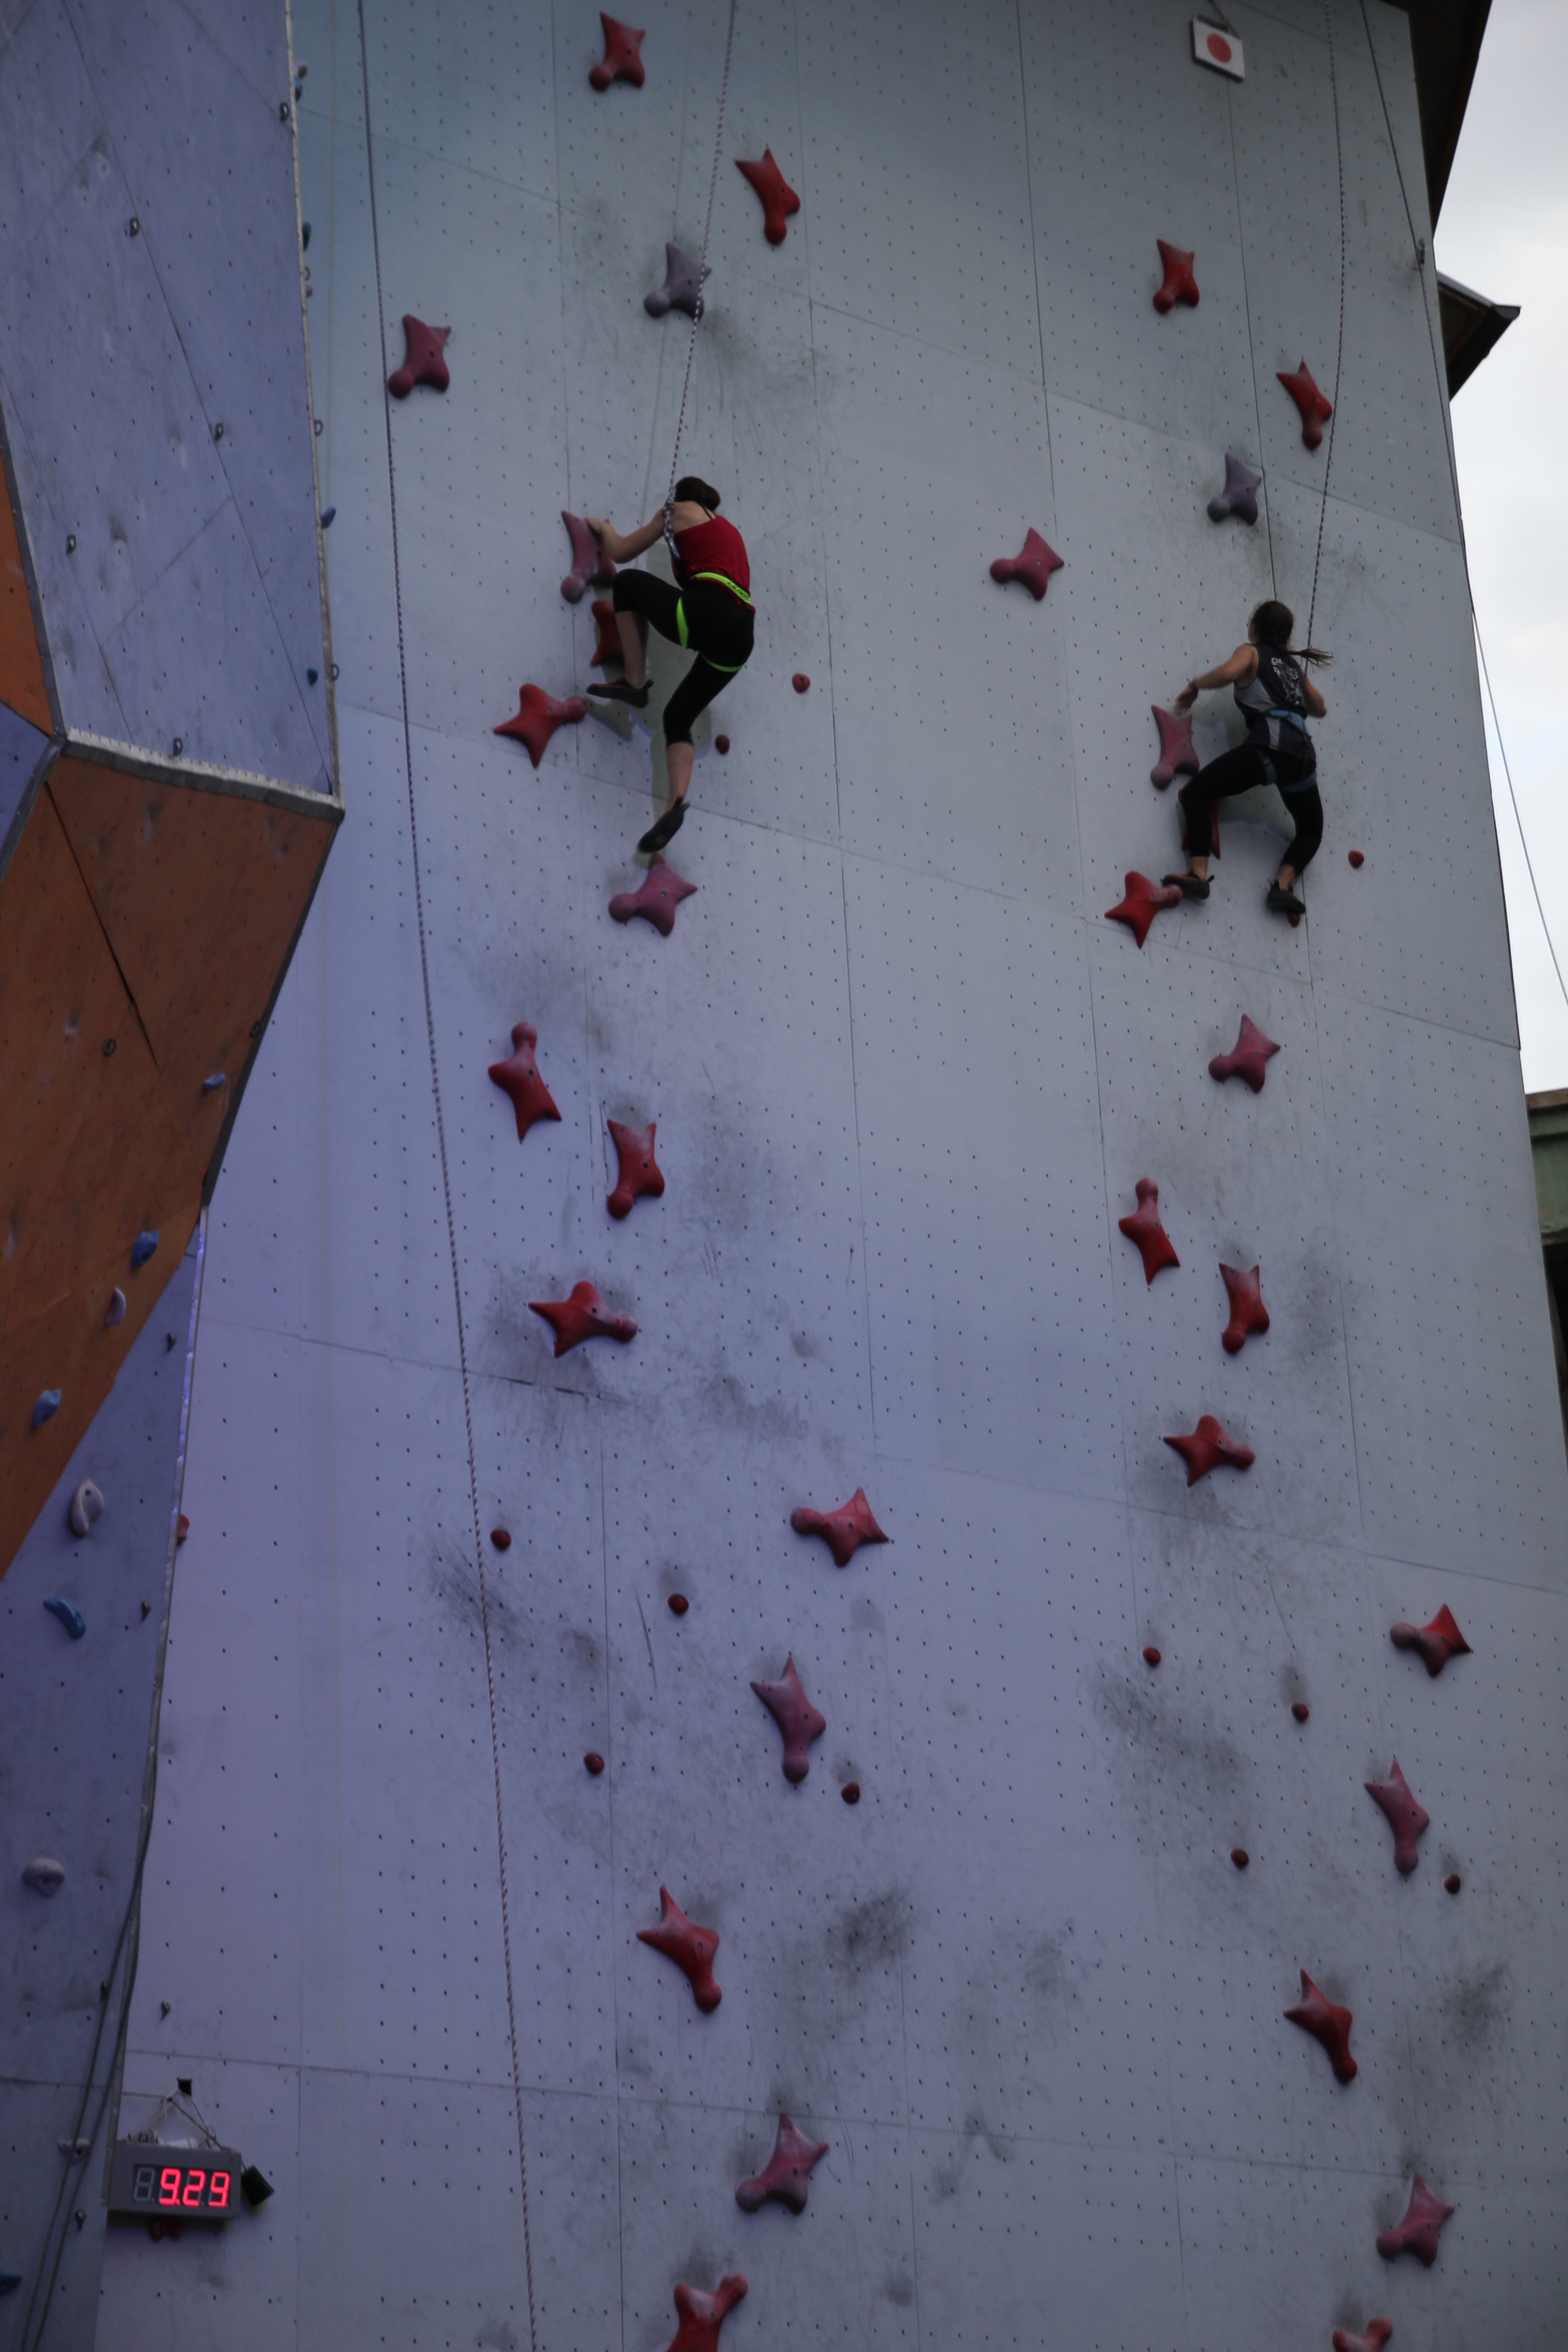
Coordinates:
[1276,697]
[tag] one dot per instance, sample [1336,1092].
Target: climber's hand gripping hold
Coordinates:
[710,609]
[1276,697]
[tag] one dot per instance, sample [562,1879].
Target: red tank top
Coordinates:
[715,546]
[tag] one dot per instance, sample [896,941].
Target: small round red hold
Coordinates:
[1452,1882]
[721,745]
[595,1762]
[850,1792]
[1299,1709]
[1240,1856]
[1358,858]
[1219,49]
[1151,1657]
[679,1604]
[182,1530]
[501,1539]
[800,681]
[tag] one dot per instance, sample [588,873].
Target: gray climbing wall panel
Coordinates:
[905,1078]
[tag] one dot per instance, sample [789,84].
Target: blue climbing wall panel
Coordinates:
[905,1078]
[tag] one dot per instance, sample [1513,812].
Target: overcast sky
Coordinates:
[1504,231]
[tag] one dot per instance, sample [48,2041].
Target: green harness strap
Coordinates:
[726,669]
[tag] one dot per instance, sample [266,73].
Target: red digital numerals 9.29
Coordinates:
[183,2189]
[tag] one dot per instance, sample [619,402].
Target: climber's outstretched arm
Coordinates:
[1241,666]
[625,551]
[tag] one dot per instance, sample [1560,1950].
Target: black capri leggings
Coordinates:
[1294,774]
[704,616]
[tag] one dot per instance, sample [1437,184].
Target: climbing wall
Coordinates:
[1015,1953]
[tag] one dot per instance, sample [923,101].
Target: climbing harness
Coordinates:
[417,869]
[701,273]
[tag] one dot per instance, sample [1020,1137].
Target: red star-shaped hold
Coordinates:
[1315,409]
[422,360]
[1034,565]
[843,1530]
[519,1076]
[584,1316]
[538,716]
[638,1175]
[1436,1643]
[692,1948]
[1177,755]
[1208,1446]
[1142,903]
[788,2168]
[703,2315]
[779,199]
[608,648]
[799,1721]
[1406,1818]
[656,898]
[1317,2016]
[1420,2230]
[1248,1312]
[1253,1049]
[1178,285]
[589,561]
[622,55]
[1378,2332]
[1143,1227]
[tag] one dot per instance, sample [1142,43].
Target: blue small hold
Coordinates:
[142,1249]
[48,1404]
[69,1615]
[312,675]
[327,518]
[210,1086]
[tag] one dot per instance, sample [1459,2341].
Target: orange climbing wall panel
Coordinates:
[21,664]
[157,914]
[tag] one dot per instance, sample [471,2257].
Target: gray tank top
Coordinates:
[1274,704]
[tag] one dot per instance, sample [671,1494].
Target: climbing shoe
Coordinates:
[1283,902]
[615,689]
[659,837]
[1191,886]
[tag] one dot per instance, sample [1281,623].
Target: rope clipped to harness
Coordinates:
[701,273]
[1339,353]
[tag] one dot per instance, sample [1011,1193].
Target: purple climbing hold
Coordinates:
[142,1249]
[116,1310]
[1034,564]
[1239,496]
[1177,755]
[589,561]
[48,1404]
[44,1873]
[682,287]
[656,898]
[69,1615]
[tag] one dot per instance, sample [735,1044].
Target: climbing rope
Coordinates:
[1419,251]
[701,272]
[1339,353]
[451,1221]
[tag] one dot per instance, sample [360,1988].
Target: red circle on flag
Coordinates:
[1218,48]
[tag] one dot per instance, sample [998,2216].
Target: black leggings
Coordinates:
[1239,770]
[718,626]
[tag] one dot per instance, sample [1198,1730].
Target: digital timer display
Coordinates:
[149,2182]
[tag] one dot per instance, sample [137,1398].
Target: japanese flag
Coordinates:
[1213,45]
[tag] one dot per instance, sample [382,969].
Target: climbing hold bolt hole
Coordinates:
[679,1604]
[111,1046]
[1299,1709]
[721,745]
[501,1539]
[1150,1656]
[132,226]
[1452,1882]
[850,1792]
[1240,1856]
[70,543]
[256,1028]
[1358,858]
[595,1763]
[219,432]
[800,681]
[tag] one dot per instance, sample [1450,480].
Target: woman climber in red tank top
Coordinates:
[708,610]
[1276,697]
